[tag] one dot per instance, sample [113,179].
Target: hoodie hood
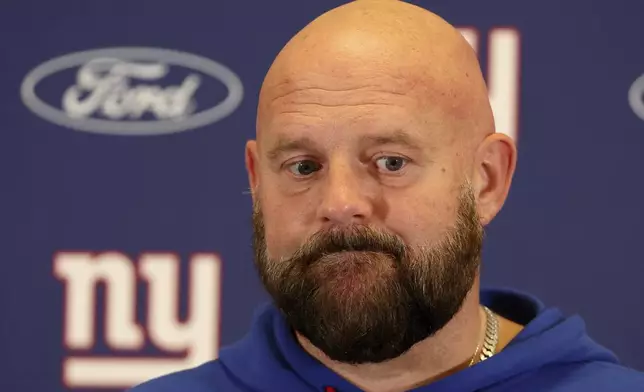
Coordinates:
[270,359]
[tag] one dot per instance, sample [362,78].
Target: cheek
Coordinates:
[284,224]
[422,220]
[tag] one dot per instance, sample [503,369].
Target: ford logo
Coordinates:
[636,97]
[119,91]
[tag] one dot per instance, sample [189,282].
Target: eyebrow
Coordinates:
[288,145]
[285,145]
[398,137]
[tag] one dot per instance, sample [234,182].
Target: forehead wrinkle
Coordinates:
[306,99]
[292,94]
[365,81]
[366,127]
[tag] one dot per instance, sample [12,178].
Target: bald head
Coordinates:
[367,42]
[374,117]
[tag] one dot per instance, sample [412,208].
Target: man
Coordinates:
[375,168]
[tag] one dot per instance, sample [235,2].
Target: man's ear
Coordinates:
[252,160]
[495,162]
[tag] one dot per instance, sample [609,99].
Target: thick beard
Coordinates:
[361,295]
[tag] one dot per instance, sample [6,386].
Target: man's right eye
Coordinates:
[304,168]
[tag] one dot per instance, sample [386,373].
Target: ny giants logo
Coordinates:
[198,336]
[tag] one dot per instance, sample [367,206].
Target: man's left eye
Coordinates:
[391,164]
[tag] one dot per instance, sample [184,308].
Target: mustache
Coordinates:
[350,239]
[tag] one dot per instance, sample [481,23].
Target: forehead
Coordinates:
[363,96]
[364,102]
[341,83]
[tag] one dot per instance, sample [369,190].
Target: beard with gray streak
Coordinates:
[361,295]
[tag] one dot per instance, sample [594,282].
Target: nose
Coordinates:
[344,197]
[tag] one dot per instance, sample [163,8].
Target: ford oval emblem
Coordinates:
[106,100]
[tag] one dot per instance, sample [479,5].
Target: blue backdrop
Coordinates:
[125,223]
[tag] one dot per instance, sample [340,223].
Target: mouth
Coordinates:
[348,271]
[356,258]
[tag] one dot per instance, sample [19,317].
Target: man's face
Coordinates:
[366,231]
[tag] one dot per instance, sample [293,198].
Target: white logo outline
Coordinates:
[133,128]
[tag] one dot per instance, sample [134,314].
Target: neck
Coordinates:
[444,353]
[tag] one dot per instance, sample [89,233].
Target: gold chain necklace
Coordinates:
[487,347]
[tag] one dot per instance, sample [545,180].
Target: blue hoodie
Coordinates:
[551,353]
